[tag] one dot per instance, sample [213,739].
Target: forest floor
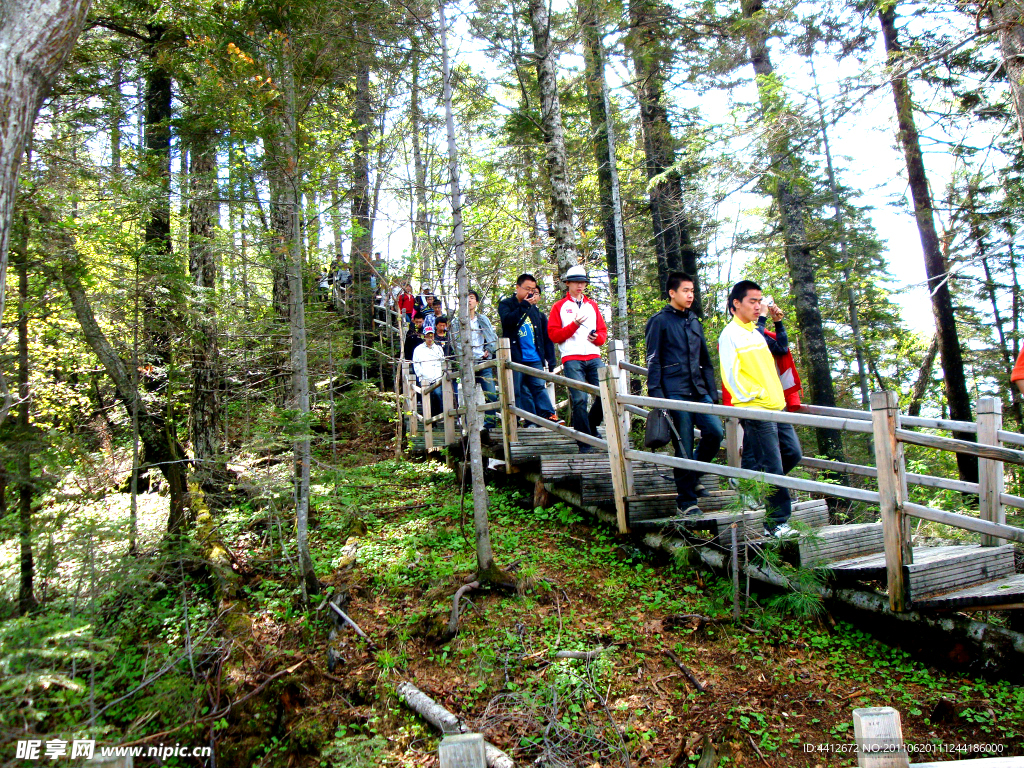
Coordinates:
[140,651]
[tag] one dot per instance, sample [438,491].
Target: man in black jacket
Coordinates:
[526,329]
[679,368]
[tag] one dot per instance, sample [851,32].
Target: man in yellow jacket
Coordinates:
[750,376]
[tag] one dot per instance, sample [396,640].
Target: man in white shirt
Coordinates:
[428,363]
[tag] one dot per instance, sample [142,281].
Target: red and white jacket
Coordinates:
[571,338]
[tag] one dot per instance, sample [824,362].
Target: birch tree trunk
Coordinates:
[563,232]
[487,571]
[950,353]
[793,214]
[36,37]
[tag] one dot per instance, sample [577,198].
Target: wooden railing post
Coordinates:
[400,407]
[448,403]
[617,355]
[410,396]
[733,441]
[506,396]
[428,429]
[621,467]
[892,489]
[990,472]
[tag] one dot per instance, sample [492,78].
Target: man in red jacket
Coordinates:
[577,327]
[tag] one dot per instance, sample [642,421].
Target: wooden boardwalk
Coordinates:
[638,488]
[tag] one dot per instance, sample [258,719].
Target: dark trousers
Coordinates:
[711,434]
[485,379]
[584,420]
[531,395]
[774,449]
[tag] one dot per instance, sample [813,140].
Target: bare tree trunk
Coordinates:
[651,53]
[793,214]
[603,136]
[36,37]
[950,353]
[851,291]
[924,377]
[299,399]
[26,595]
[562,230]
[421,243]
[487,571]
[161,445]
[362,239]
[206,380]
[157,263]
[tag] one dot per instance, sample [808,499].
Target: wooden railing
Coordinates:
[889,429]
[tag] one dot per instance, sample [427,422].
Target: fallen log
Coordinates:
[446,722]
[583,655]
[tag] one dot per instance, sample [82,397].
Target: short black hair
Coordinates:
[524,277]
[421,315]
[740,290]
[675,278]
[441,319]
[474,294]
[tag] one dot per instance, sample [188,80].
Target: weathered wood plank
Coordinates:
[1003,591]
[837,542]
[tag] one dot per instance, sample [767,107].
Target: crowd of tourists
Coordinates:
[756,369]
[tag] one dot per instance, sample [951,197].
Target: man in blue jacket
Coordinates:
[526,329]
[679,368]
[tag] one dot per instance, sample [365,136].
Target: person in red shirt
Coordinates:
[578,328]
[407,302]
[1017,377]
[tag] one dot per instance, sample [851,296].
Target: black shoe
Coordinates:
[587,449]
[689,510]
[700,491]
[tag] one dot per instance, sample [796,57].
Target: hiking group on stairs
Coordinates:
[756,369]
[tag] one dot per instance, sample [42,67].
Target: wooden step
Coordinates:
[837,542]
[1005,591]
[935,569]
[813,513]
[959,567]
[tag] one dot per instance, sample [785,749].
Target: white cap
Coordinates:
[578,274]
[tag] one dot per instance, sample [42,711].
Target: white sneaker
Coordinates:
[783,531]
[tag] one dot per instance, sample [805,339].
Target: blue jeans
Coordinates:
[531,395]
[711,435]
[775,449]
[587,371]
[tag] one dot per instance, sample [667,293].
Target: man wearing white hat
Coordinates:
[578,328]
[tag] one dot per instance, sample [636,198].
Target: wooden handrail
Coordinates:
[1011,437]
[590,389]
[755,414]
[993,452]
[794,483]
[964,521]
[851,413]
